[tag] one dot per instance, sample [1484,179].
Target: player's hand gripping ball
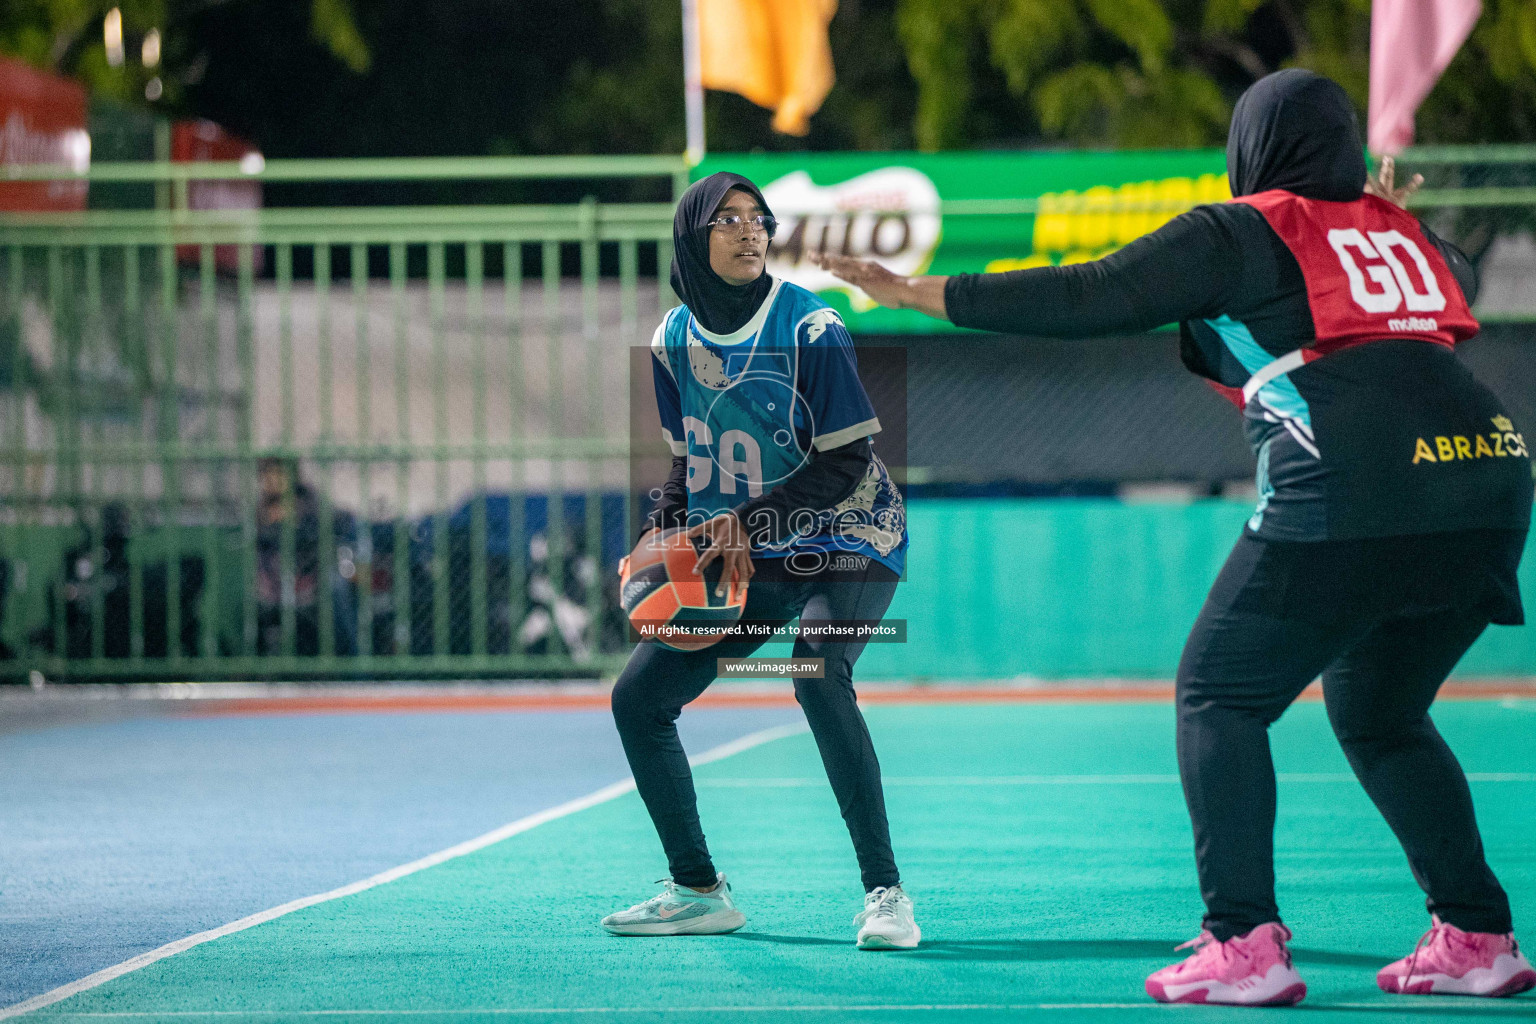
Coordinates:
[668,601]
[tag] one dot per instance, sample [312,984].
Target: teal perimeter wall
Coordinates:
[1000,588]
[1060,588]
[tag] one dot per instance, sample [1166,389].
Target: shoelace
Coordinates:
[668,892]
[883,906]
[1197,943]
[1427,939]
[1438,932]
[1224,950]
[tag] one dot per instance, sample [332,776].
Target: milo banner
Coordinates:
[949,213]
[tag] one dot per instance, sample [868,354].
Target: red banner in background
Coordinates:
[42,121]
[199,140]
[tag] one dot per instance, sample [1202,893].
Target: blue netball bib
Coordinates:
[748,408]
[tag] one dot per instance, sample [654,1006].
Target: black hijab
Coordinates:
[1296,130]
[719,307]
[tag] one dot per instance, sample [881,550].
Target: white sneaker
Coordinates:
[886,922]
[679,910]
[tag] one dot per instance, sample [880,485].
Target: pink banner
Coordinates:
[1412,41]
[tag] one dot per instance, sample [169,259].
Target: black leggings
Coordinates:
[657,682]
[1367,617]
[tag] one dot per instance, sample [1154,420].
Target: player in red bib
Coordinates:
[1394,501]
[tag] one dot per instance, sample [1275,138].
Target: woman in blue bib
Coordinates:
[773,466]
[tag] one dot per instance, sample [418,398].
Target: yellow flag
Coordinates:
[773,52]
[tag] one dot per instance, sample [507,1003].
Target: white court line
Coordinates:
[506,831]
[947,780]
[1060,780]
[507,1011]
[1424,1003]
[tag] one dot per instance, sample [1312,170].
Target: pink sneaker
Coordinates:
[1248,970]
[1449,960]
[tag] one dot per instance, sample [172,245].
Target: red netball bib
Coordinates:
[1371,274]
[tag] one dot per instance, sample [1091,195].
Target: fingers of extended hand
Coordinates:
[1384,183]
[849,269]
[735,570]
[717,532]
[706,556]
[833,265]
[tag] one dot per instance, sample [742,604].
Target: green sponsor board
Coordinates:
[948,213]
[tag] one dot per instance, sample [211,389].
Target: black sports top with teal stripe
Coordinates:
[1362,449]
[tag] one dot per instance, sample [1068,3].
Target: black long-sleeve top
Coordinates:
[1368,410]
[1210,261]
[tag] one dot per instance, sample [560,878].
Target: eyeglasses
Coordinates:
[757,222]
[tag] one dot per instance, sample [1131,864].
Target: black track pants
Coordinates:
[657,682]
[1280,615]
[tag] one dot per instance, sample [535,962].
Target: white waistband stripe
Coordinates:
[1269,371]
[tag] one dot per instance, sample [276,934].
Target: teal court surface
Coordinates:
[1045,844]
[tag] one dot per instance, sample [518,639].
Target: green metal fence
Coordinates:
[193,400]
[360,441]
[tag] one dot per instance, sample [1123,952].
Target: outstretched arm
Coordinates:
[923,292]
[1185,269]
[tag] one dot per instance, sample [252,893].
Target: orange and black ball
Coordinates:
[667,601]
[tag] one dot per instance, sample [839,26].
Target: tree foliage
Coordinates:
[401,77]
[1143,73]
[66,37]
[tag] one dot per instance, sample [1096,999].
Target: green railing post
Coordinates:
[134,340]
[288,554]
[245,355]
[629,318]
[16,369]
[436,272]
[16,434]
[209,300]
[63,413]
[97,330]
[325,554]
[401,591]
[595,404]
[554,520]
[170,439]
[517,413]
[365,554]
[474,285]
